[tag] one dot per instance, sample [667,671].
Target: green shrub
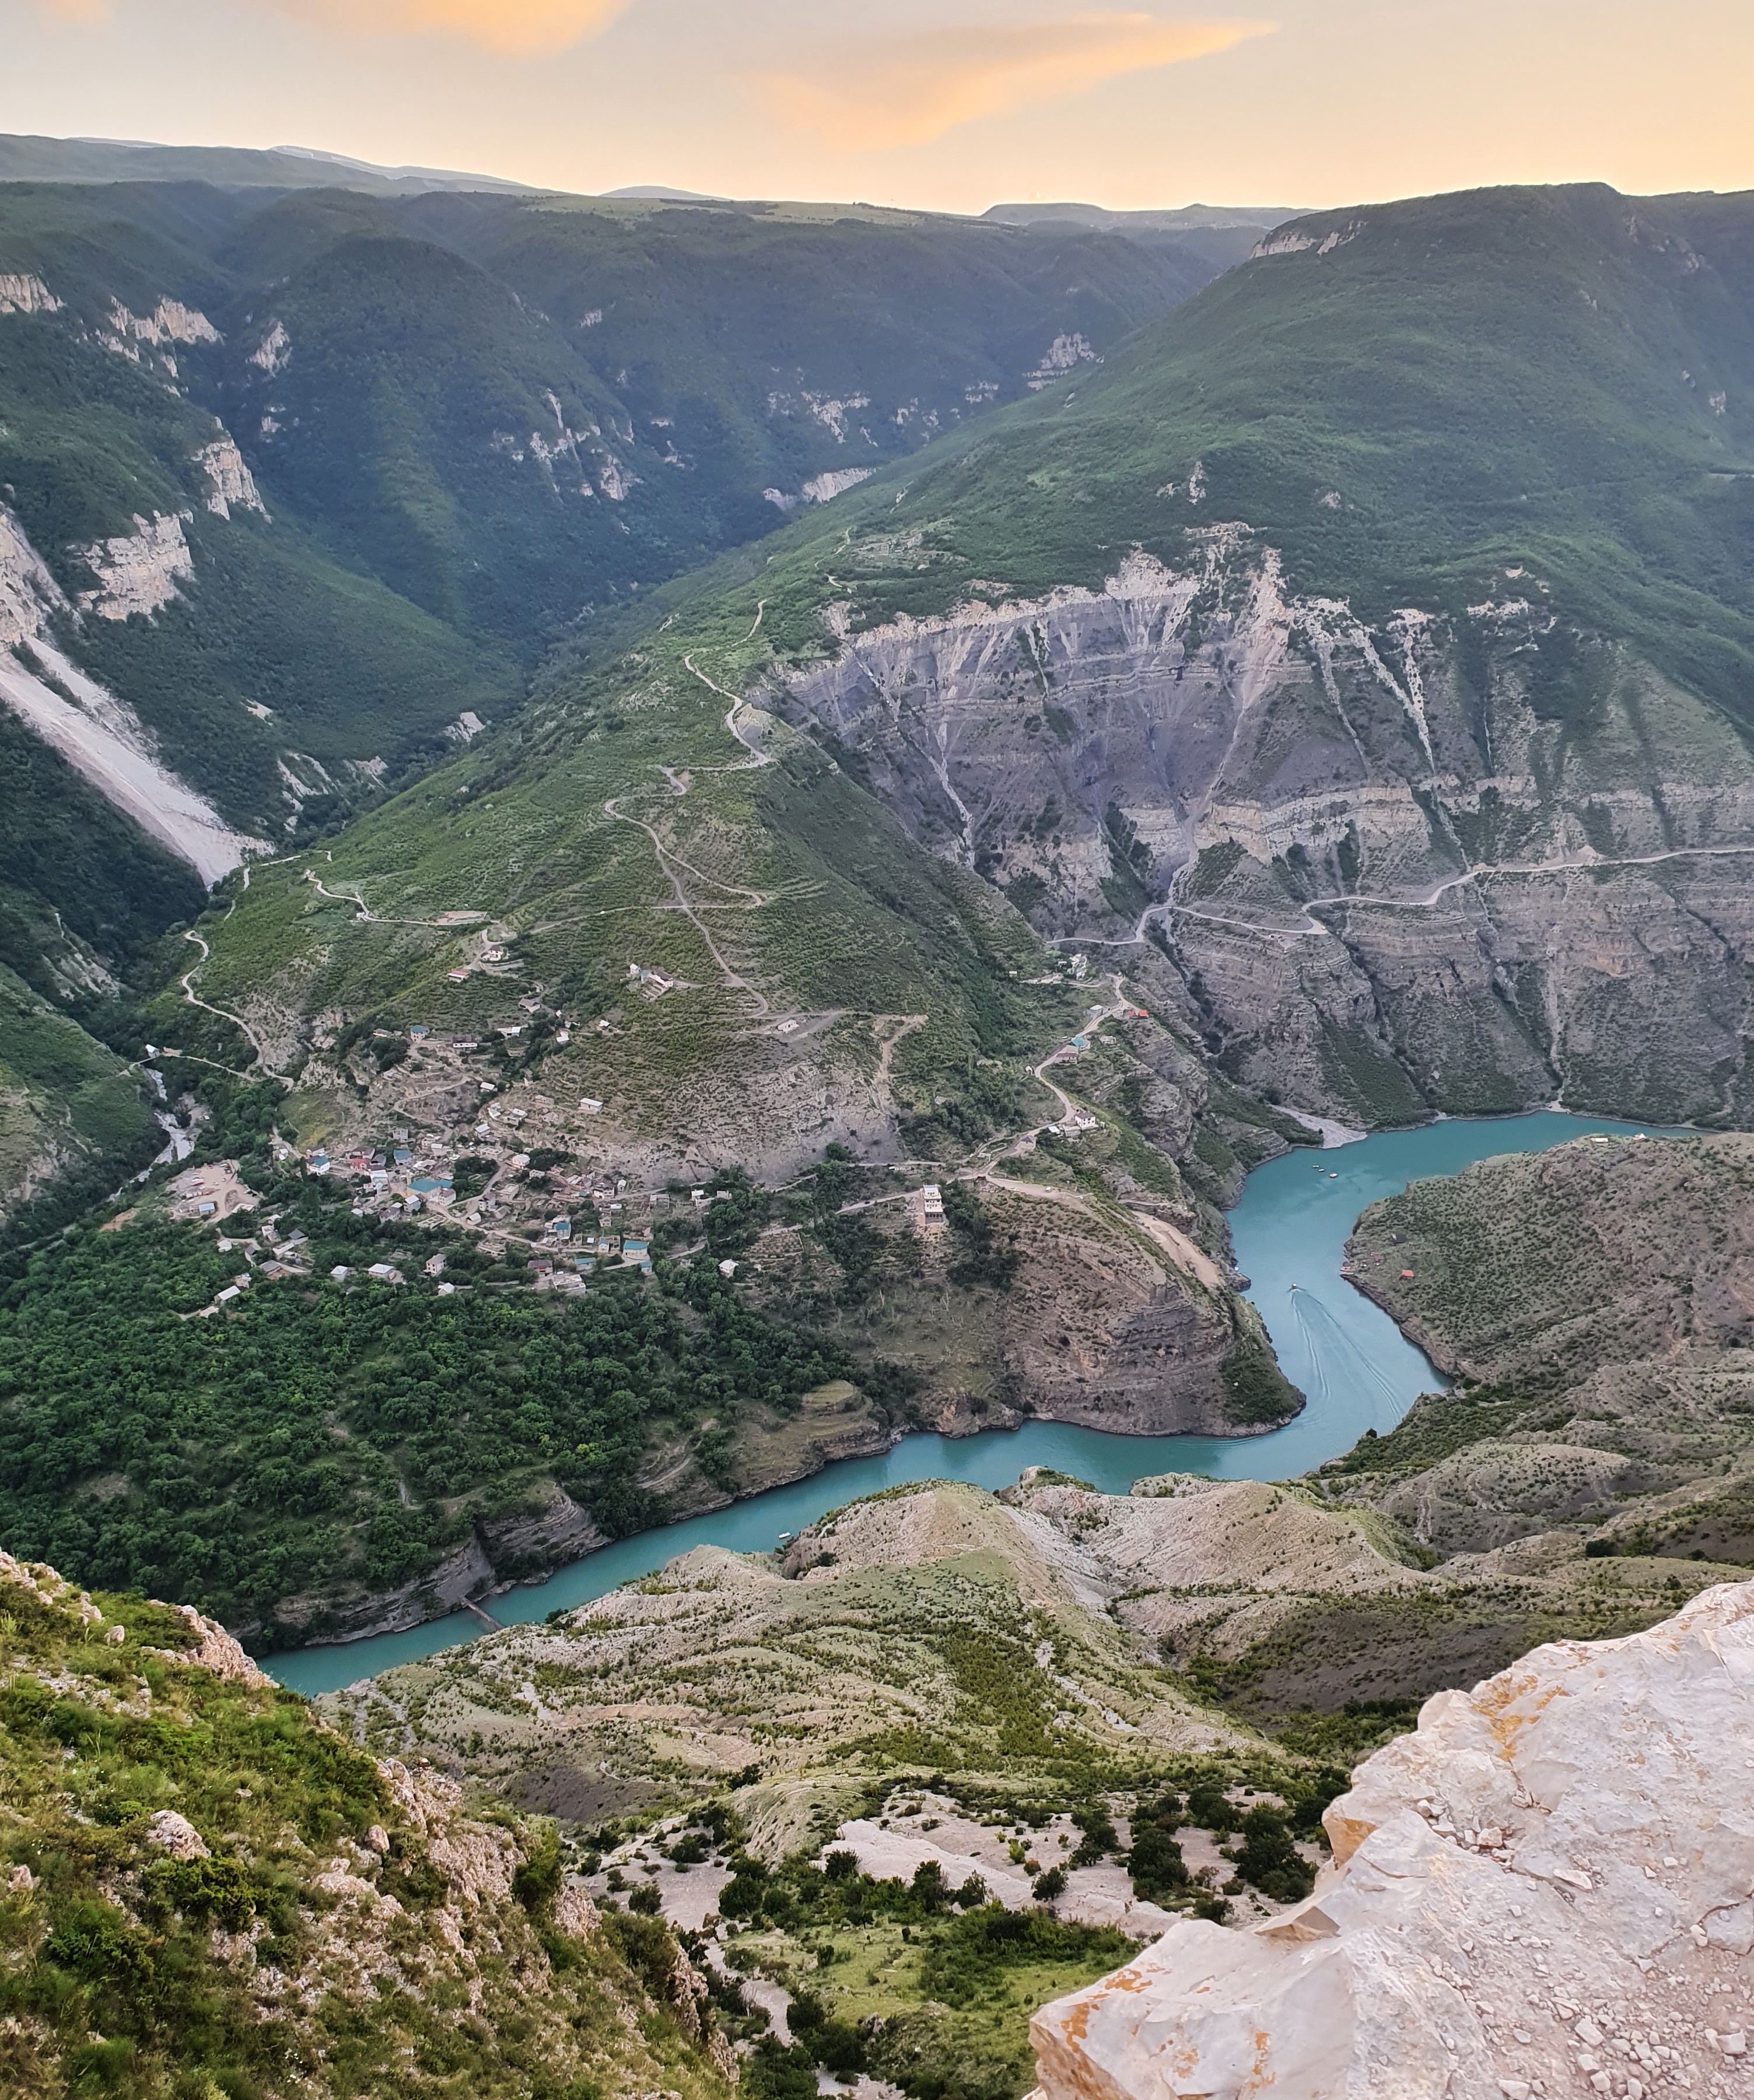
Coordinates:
[216,1889]
[772,2071]
[1155,1861]
[1268,1859]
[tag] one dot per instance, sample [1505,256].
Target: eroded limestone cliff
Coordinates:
[1470,860]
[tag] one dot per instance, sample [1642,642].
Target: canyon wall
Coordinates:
[1471,862]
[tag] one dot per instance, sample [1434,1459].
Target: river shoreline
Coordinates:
[1356,1368]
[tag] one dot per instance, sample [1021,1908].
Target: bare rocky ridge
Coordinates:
[1474,863]
[843,1635]
[1545,1890]
[1304,1604]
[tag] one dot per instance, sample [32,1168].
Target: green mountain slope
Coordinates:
[82,893]
[209,1890]
[417,419]
[107,435]
[450,477]
[73,1117]
[308,481]
[1223,233]
[1563,378]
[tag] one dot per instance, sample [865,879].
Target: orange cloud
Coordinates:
[515,28]
[908,90]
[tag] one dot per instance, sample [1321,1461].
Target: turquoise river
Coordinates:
[1290,1230]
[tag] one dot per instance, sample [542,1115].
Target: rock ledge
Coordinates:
[1547,1889]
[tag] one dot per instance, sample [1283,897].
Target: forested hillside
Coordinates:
[299,485]
[464,422]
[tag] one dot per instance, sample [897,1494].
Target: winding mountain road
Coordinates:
[1423,901]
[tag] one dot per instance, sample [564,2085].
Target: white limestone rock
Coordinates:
[824,488]
[137,571]
[217,1650]
[176,1835]
[22,294]
[1545,1888]
[273,354]
[229,479]
[29,594]
[170,321]
[575,1914]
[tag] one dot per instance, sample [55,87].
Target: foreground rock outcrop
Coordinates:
[1545,1889]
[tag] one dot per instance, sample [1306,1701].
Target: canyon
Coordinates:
[1467,863]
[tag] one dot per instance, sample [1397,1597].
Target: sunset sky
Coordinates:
[950,104]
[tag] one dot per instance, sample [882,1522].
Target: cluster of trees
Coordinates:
[980,1258]
[967,1946]
[308,1434]
[1264,1854]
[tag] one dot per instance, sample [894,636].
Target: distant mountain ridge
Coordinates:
[1168,218]
[25,158]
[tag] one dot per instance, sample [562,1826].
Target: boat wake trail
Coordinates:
[1337,1361]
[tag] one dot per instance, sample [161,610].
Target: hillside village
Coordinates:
[503,1161]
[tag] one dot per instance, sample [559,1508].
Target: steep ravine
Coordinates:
[1470,862]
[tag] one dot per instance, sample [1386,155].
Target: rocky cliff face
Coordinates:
[1545,1890]
[1469,861]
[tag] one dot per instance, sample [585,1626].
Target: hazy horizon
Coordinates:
[1319,103]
